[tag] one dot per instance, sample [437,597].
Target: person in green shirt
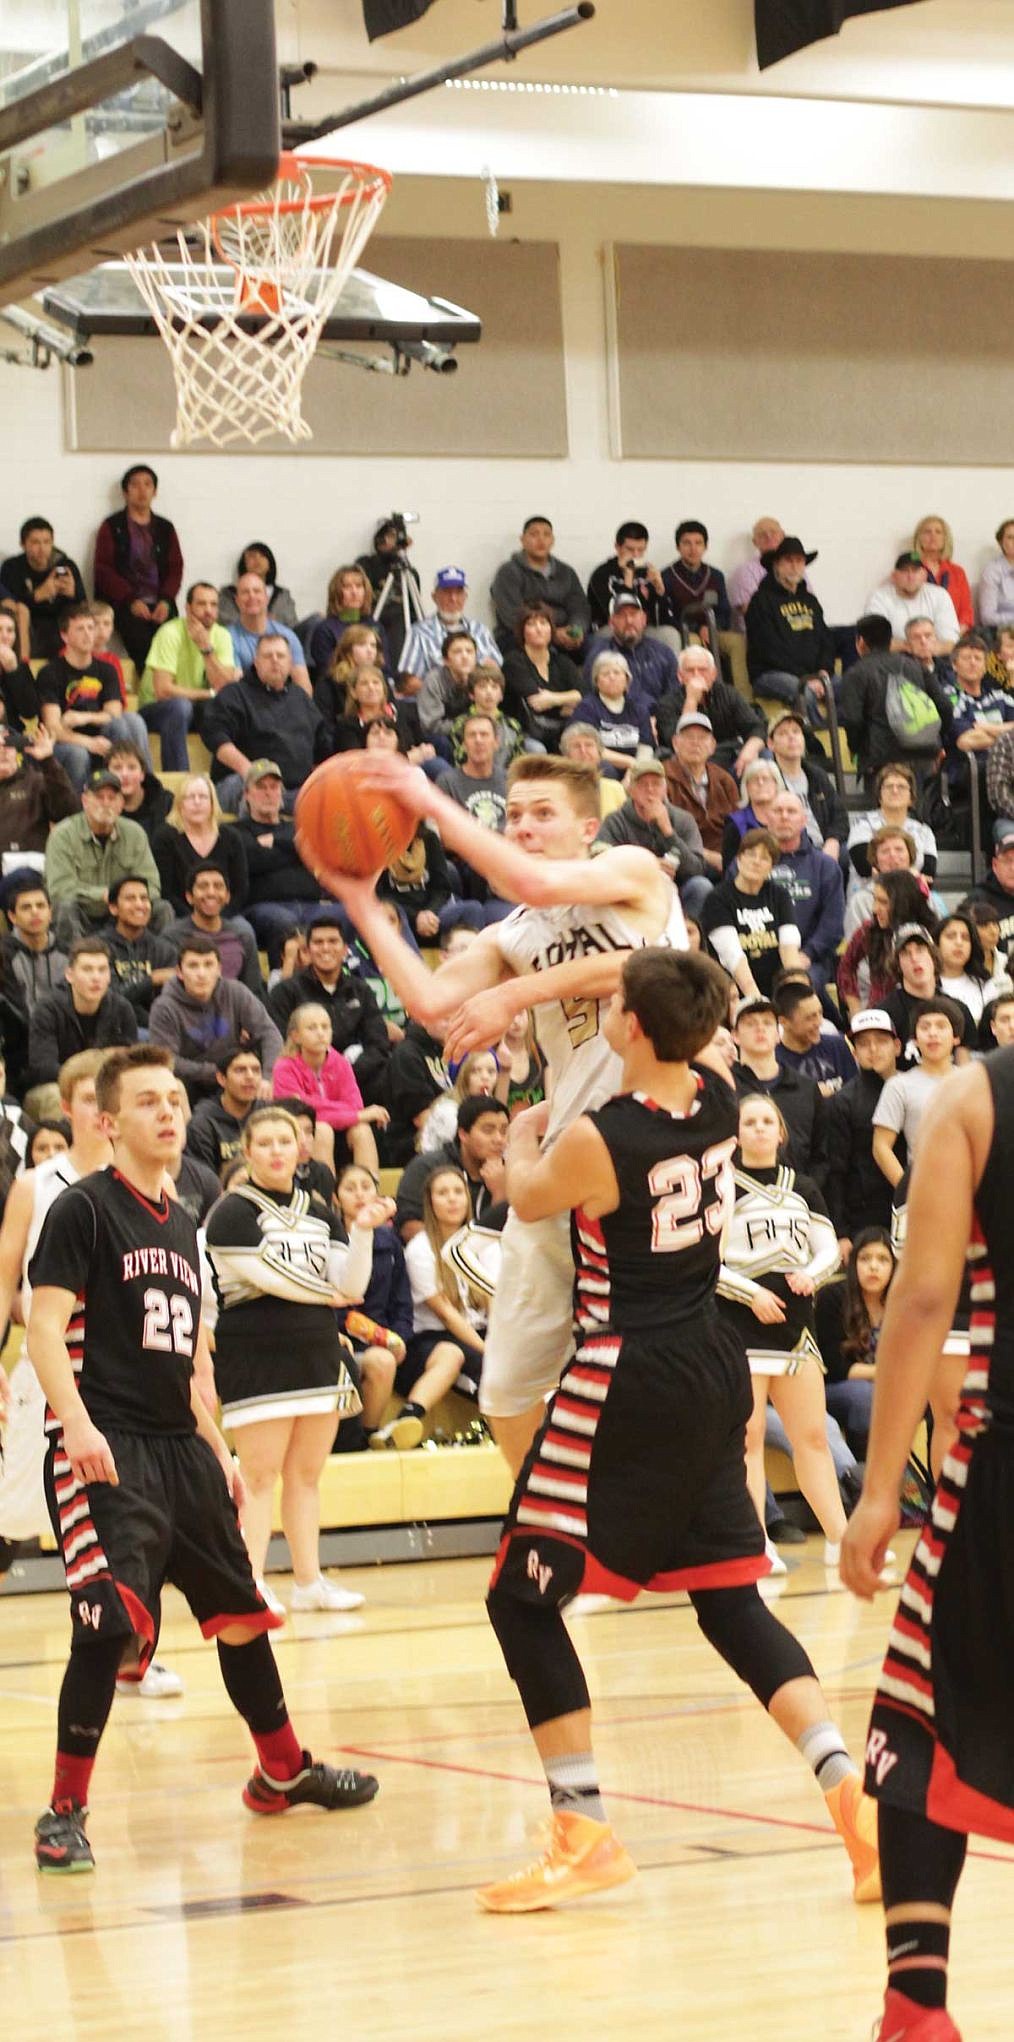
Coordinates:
[190,658]
[87,853]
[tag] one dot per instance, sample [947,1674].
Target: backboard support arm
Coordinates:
[504,50]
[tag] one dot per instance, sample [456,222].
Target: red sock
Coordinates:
[279,1752]
[71,1778]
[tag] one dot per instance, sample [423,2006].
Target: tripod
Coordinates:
[400,583]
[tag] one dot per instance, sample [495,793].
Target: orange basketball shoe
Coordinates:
[581,1856]
[855,1818]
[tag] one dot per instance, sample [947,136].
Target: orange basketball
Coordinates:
[346,826]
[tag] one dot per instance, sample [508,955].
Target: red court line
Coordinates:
[690,1713]
[438,1765]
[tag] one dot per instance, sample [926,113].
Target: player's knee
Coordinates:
[750,1639]
[538,1654]
[239,1634]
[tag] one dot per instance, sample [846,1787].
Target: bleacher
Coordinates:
[450,1497]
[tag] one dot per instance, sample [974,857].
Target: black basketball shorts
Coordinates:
[170,1518]
[638,1476]
[940,1741]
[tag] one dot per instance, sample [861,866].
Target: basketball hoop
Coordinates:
[241,299]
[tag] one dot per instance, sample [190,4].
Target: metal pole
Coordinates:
[834,733]
[297,133]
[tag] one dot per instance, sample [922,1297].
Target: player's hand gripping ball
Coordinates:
[346,824]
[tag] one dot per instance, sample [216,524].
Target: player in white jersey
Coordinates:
[23,1509]
[560,951]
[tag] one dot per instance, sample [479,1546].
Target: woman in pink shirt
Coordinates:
[311,1069]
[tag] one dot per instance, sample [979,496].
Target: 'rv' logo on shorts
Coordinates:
[879,1756]
[537,1572]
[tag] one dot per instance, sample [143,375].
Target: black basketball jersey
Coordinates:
[655,1260]
[991,1253]
[133,1267]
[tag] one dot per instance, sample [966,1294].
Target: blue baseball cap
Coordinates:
[451,577]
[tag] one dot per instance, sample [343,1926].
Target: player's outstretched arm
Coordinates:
[624,877]
[480,1022]
[953,1144]
[577,1170]
[86,1448]
[427,995]
[14,1241]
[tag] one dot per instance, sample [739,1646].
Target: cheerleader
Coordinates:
[449,1313]
[381,1330]
[780,1246]
[278,1259]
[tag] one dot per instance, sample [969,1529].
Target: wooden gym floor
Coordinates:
[203,1921]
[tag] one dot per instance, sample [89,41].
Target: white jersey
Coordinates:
[584,1070]
[48,1181]
[23,1510]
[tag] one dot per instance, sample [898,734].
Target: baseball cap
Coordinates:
[909,559]
[870,1018]
[787,716]
[1003,833]
[693,720]
[912,932]
[642,767]
[758,1003]
[261,769]
[451,577]
[626,600]
[96,781]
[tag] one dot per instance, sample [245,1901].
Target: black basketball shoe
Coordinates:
[60,1841]
[317,1786]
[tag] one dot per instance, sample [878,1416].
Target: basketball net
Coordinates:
[240,300]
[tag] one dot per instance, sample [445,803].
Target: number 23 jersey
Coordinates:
[583,1068]
[133,1267]
[654,1262]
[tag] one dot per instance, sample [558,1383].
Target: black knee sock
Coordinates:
[86,1698]
[920,1865]
[253,1684]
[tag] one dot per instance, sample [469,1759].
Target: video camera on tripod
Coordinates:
[401,581]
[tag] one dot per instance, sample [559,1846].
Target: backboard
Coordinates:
[121,120]
[107,301]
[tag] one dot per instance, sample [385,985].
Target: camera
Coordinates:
[398,523]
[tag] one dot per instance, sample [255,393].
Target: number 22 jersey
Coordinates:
[134,1270]
[654,1262]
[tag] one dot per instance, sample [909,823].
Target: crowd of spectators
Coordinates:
[174,903]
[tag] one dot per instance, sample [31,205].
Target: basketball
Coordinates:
[347,826]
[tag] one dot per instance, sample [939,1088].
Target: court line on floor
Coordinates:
[364,1631]
[609,1793]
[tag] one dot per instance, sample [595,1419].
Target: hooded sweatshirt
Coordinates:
[196,1030]
[34,971]
[786,633]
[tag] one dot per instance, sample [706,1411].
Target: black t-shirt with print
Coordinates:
[756,918]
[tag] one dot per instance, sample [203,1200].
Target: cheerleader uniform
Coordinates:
[958,1343]
[276,1257]
[779,1224]
[428,1329]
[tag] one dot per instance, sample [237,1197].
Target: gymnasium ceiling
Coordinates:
[957,53]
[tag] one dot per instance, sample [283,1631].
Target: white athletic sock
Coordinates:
[574,1783]
[823,1748]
